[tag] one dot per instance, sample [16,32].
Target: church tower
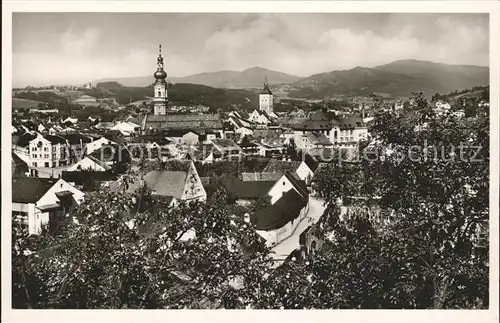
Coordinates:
[160,88]
[266,99]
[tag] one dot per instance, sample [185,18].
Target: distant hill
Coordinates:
[249,78]
[183,94]
[398,78]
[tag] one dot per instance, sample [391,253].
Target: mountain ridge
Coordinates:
[252,77]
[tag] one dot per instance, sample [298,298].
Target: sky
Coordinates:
[73,48]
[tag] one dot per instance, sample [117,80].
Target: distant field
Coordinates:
[70,94]
[24,104]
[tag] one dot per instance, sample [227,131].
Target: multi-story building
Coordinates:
[49,151]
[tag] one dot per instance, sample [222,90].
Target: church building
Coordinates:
[160,120]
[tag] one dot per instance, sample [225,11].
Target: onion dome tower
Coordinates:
[160,87]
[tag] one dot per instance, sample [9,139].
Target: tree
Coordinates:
[117,256]
[438,202]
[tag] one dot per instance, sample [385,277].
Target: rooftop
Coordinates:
[248,189]
[286,209]
[30,189]
[164,183]
[281,166]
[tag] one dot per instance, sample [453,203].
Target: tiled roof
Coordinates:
[225,144]
[55,139]
[264,176]
[286,209]
[312,125]
[281,166]
[299,184]
[150,139]
[176,132]
[248,190]
[350,122]
[317,138]
[30,189]
[75,138]
[24,139]
[183,121]
[165,183]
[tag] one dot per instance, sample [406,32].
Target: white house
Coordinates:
[279,221]
[89,163]
[41,201]
[41,128]
[300,168]
[48,151]
[258,117]
[70,120]
[98,144]
[244,131]
[126,127]
[182,137]
[286,183]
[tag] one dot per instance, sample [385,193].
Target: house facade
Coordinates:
[39,201]
[49,151]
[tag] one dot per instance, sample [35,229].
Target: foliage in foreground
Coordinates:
[422,258]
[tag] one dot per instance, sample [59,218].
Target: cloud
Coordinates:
[295,44]
[74,43]
[306,50]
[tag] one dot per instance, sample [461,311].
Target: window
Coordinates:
[33,156]
[46,156]
[45,148]
[284,183]
[34,148]
[159,93]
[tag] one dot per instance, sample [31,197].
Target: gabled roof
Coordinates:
[30,189]
[183,121]
[176,132]
[286,209]
[92,159]
[350,122]
[164,183]
[317,138]
[264,176]
[150,139]
[55,139]
[17,161]
[299,184]
[75,138]
[281,166]
[225,144]
[247,190]
[24,139]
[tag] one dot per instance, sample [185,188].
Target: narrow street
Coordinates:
[284,248]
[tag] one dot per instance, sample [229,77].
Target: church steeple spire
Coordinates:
[160,87]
